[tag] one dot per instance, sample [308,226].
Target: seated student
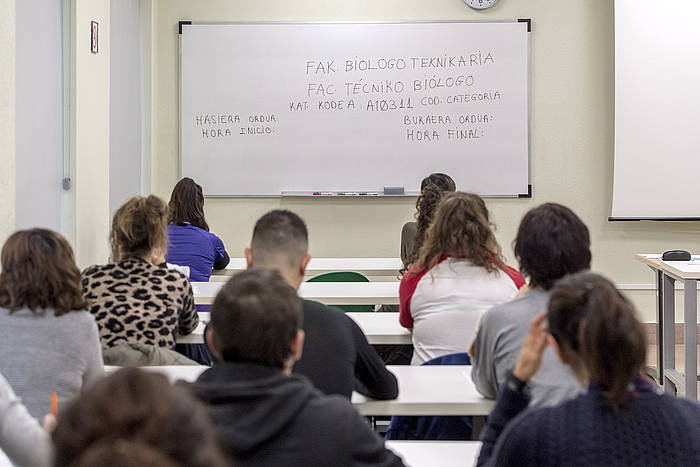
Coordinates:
[432,189]
[134,418]
[134,299]
[49,342]
[189,241]
[22,439]
[459,275]
[551,243]
[337,356]
[621,420]
[264,415]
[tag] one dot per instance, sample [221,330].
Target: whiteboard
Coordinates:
[268,109]
[657,97]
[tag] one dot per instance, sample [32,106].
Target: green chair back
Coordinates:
[345,276]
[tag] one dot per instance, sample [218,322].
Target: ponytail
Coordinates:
[139,228]
[594,323]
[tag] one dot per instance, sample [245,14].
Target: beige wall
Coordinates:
[7,118]
[90,132]
[572,131]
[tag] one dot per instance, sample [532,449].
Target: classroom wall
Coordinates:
[90,132]
[572,132]
[7,118]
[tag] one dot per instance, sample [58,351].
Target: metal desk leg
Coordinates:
[659,327]
[690,317]
[669,329]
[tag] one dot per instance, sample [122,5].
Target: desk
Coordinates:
[365,266]
[436,453]
[330,293]
[667,273]
[423,390]
[380,328]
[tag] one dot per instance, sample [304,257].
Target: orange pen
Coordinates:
[54,404]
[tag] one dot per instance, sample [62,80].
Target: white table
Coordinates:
[423,390]
[667,273]
[365,266]
[436,453]
[330,293]
[380,328]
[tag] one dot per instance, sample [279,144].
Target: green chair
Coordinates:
[345,276]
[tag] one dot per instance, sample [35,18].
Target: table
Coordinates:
[330,293]
[667,273]
[380,328]
[365,266]
[423,390]
[436,453]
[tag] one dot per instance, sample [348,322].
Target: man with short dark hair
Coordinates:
[337,357]
[551,243]
[264,415]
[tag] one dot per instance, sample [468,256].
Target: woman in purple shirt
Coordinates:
[189,241]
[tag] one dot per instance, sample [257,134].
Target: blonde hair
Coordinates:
[139,228]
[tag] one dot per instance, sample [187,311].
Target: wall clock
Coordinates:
[481,4]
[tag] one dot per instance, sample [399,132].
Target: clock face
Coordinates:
[480,4]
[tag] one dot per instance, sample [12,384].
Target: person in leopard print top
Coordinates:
[133,298]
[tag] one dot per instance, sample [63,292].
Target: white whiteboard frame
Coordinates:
[183,23]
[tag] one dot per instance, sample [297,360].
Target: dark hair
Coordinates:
[461,229]
[39,272]
[255,317]
[596,325]
[551,243]
[432,188]
[135,418]
[139,227]
[186,204]
[279,233]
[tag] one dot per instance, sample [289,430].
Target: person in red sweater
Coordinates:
[460,273]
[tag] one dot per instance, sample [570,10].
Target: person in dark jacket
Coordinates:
[337,357]
[264,415]
[621,419]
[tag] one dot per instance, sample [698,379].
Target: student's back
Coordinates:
[331,335]
[194,247]
[654,429]
[266,418]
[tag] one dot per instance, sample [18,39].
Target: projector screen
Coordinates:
[657,110]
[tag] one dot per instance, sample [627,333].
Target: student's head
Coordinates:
[551,243]
[280,241]
[39,272]
[135,418]
[187,204]
[433,187]
[596,332]
[461,229]
[257,318]
[139,229]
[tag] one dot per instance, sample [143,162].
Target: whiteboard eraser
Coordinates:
[393,190]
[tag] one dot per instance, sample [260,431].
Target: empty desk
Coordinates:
[436,453]
[380,328]
[423,390]
[330,293]
[365,266]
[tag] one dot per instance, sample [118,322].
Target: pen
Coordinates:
[54,404]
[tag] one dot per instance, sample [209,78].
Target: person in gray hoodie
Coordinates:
[264,415]
[552,242]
